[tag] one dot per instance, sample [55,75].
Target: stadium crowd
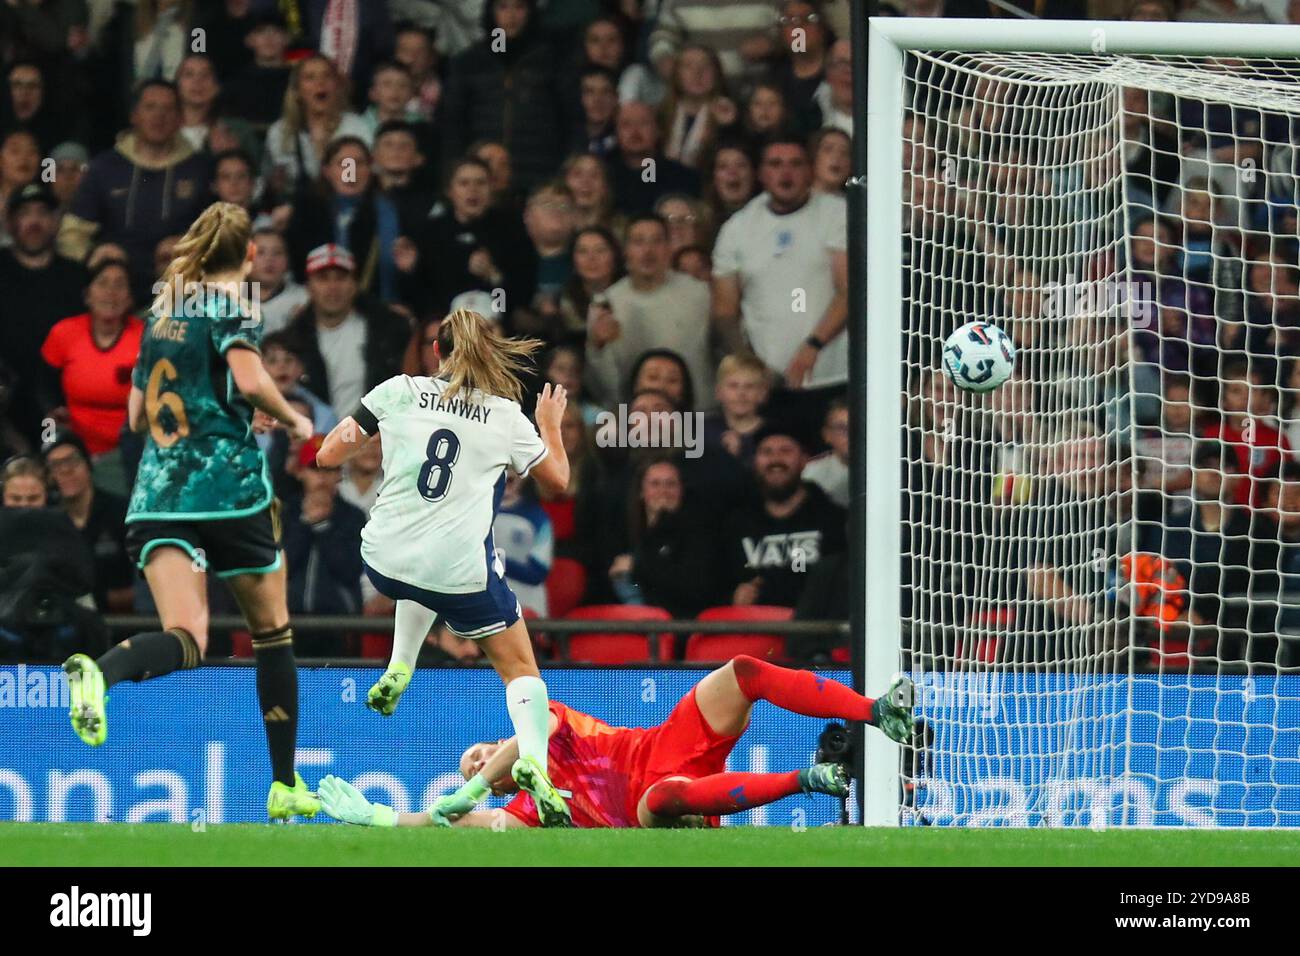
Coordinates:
[653,188]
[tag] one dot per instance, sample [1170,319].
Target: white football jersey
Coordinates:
[444,473]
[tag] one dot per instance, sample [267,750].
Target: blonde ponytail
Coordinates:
[476,355]
[217,242]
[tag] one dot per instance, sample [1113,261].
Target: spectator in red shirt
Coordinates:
[1248,424]
[94,354]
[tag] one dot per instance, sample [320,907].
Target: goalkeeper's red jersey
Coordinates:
[607,769]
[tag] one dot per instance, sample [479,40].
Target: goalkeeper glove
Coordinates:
[447,808]
[344,802]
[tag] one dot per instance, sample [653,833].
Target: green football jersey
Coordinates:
[201,460]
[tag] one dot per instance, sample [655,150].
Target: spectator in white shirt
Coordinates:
[348,342]
[780,281]
[651,307]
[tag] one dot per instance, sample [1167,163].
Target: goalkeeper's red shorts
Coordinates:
[684,745]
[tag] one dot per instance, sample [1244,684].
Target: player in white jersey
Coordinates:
[447,442]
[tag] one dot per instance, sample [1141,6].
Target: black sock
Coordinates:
[277,692]
[150,655]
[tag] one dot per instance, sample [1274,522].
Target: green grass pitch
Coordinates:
[161,844]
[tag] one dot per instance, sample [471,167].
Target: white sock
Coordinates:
[527,703]
[411,624]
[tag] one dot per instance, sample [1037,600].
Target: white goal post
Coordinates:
[1098,729]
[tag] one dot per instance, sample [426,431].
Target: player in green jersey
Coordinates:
[202,500]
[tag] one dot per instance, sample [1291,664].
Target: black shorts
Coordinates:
[224,546]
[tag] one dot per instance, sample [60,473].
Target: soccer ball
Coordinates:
[979,357]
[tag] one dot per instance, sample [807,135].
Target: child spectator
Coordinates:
[391,92]
[830,470]
[766,113]
[695,262]
[280,297]
[403,172]
[234,179]
[832,160]
[741,391]
[521,533]
[414,48]
[284,364]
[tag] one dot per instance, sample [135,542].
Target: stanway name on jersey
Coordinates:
[472,411]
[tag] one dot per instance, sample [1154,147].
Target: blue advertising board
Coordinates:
[1009,749]
[190,748]
[1102,750]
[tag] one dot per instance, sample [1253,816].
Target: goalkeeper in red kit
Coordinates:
[670,775]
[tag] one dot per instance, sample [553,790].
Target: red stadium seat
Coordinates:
[723,647]
[241,644]
[377,646]
[985,648]
[565,586]
[615,647]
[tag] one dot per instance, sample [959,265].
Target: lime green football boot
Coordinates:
[832,778]
[87,693]
[383,697]
[552,811]
[284,802]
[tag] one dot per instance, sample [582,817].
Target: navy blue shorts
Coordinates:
[474,615]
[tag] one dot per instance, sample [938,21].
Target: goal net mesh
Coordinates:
[1101,558]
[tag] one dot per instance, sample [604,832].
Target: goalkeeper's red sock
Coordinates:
[802,692]
[720,793]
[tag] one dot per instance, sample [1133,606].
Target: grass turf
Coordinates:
[160,844]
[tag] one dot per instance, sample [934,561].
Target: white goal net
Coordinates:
[1100,575]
